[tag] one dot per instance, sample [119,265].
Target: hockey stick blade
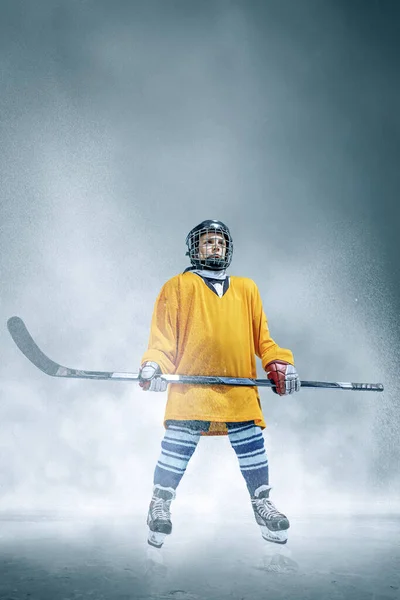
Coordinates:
[31,350]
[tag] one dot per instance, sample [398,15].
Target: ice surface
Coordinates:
[49,557]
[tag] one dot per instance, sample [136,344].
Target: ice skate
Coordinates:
[273,524]
[159,516]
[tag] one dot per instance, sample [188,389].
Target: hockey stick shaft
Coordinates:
[30,349]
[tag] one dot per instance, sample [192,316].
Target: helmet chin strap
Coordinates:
[208,267]
[212,266]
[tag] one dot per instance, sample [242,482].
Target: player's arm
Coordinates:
[276,361]
[161,351]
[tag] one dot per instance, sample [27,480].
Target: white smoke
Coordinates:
[155,130]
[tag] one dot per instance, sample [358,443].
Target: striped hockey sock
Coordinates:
[177,448]
[248,442]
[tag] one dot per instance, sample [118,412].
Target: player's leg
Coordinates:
[248,442]
[177,447]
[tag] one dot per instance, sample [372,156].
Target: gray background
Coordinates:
[125,124]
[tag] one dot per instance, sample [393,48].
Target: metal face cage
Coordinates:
[194,239]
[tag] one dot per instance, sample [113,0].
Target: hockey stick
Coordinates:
[28,346]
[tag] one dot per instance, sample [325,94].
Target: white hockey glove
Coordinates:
[149,380]
[284,377]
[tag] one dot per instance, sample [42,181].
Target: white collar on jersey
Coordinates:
[211,274]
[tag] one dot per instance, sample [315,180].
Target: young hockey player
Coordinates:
[207,323]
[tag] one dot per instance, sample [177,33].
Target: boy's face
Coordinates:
[212,245]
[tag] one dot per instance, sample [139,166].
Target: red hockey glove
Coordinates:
[149,378]
[284,377]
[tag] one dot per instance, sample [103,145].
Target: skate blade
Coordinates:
[156,539]
[277,537]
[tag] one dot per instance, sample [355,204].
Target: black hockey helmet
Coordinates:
[193,241]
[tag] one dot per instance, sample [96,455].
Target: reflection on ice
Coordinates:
[108,557]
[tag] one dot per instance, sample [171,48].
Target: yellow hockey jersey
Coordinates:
[196,332]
